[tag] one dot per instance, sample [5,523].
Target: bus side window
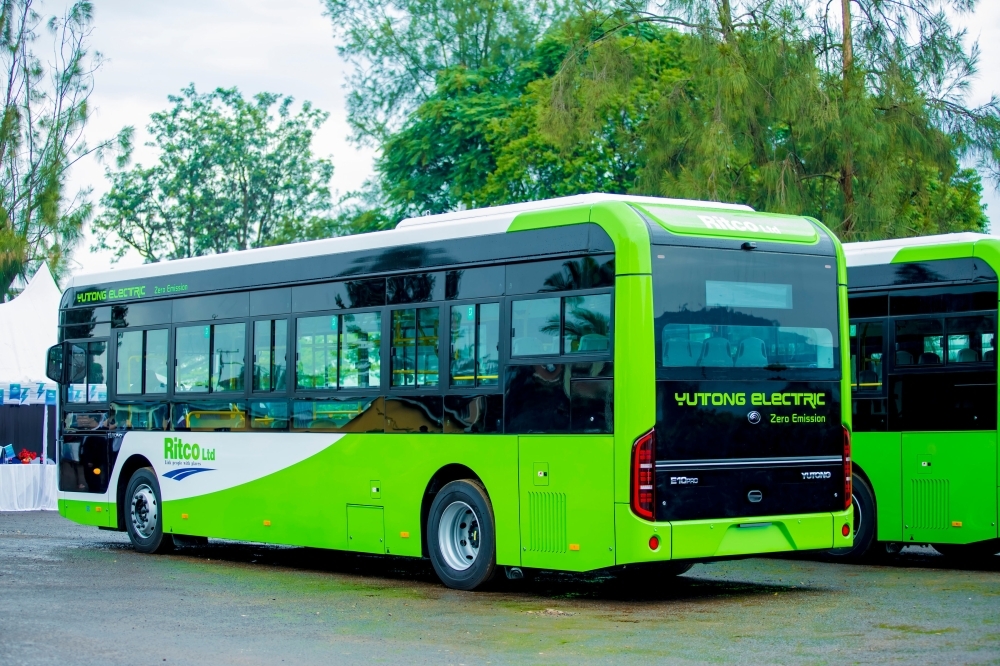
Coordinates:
[919,342]
[270,343]
[415,335]
[316,352]
[475,344]
[77,391]
[971,339]
[870,369]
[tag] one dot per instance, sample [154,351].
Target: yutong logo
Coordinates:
[684,480]
[816,475]
[176,449]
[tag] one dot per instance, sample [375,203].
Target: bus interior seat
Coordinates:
[677,354]
[752,354]
[968,355]
[989,355]
[929,358]
[593,342]
[716,353]
[904,358]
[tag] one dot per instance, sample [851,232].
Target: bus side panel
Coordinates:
[949,482]
[306,504]
[567,502]
[879,455]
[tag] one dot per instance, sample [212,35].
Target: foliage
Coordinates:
[398,49]
[41,137]
[232,174]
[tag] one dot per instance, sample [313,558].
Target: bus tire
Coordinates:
[461,535]
[143,513]
[971,551]
[863,500]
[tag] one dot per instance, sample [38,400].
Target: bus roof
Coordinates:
[460,224]
[871,253]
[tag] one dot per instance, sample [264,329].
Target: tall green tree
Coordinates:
[232,174]
[45,111]
[398,48]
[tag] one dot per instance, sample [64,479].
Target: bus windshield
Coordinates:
[751,314]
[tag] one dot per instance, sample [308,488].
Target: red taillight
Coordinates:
[847,468]
[654,542]
[846,530]
[643,476]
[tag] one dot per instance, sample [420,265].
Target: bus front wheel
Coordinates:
[863,500]
[144,515]
[461,535]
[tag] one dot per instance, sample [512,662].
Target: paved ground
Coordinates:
[76,595]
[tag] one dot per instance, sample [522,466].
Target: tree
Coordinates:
[399,47]
[41,137]
[232,174]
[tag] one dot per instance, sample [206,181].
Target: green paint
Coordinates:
[766,534]
[85,512]
[744,225]
[909,255]
[877,455]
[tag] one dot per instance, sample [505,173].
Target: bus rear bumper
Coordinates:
[704,539]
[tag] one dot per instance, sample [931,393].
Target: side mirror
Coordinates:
[54,363]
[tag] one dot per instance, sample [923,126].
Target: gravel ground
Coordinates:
[76,595]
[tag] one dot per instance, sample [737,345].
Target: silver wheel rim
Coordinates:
[458,536]
[144,511]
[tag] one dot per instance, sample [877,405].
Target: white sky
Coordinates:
[153,49]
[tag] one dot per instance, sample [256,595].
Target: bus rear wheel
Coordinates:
[144,515]
[863,500]
[461,535]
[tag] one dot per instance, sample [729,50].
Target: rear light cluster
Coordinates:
[847,468]
[643,476]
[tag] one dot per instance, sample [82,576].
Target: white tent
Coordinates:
[28,327]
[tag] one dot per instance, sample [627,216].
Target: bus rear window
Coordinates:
[735,313]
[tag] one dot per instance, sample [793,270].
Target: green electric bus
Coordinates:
[575,384]
[924,382]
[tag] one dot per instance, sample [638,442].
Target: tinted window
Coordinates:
[360,350]
[943,401]
[220,306]
[919,342]
[88,373]
[156,362]
[473,413]
[339,295]
[587,324]
[971,339]
[474,283]
[867,363]
[129,371]
[415,347]
[418,288]
[140,416]
[941,300]
[592,406]
[735,313]
[536,399]
[228,357]
[191,351]
[316,352]
[535,327]
[413,414]
[269,415]
[270,301]
[209,416]
[270,343]
[475,344]
[566,275]
[339,415]
[862,307]
[140,314]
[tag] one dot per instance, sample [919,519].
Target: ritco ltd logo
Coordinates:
[176,449]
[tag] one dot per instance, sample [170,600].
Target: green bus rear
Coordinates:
[633,382]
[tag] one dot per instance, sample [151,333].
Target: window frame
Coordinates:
[323,393]
[143,396]
[186,397]
[945,365]
[503,344]
[507,311]
[265,396]
[443,308]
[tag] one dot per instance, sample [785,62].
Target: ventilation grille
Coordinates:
[547,522]
[930,504]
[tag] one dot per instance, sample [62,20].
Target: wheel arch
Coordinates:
[442,477]
[134,462]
